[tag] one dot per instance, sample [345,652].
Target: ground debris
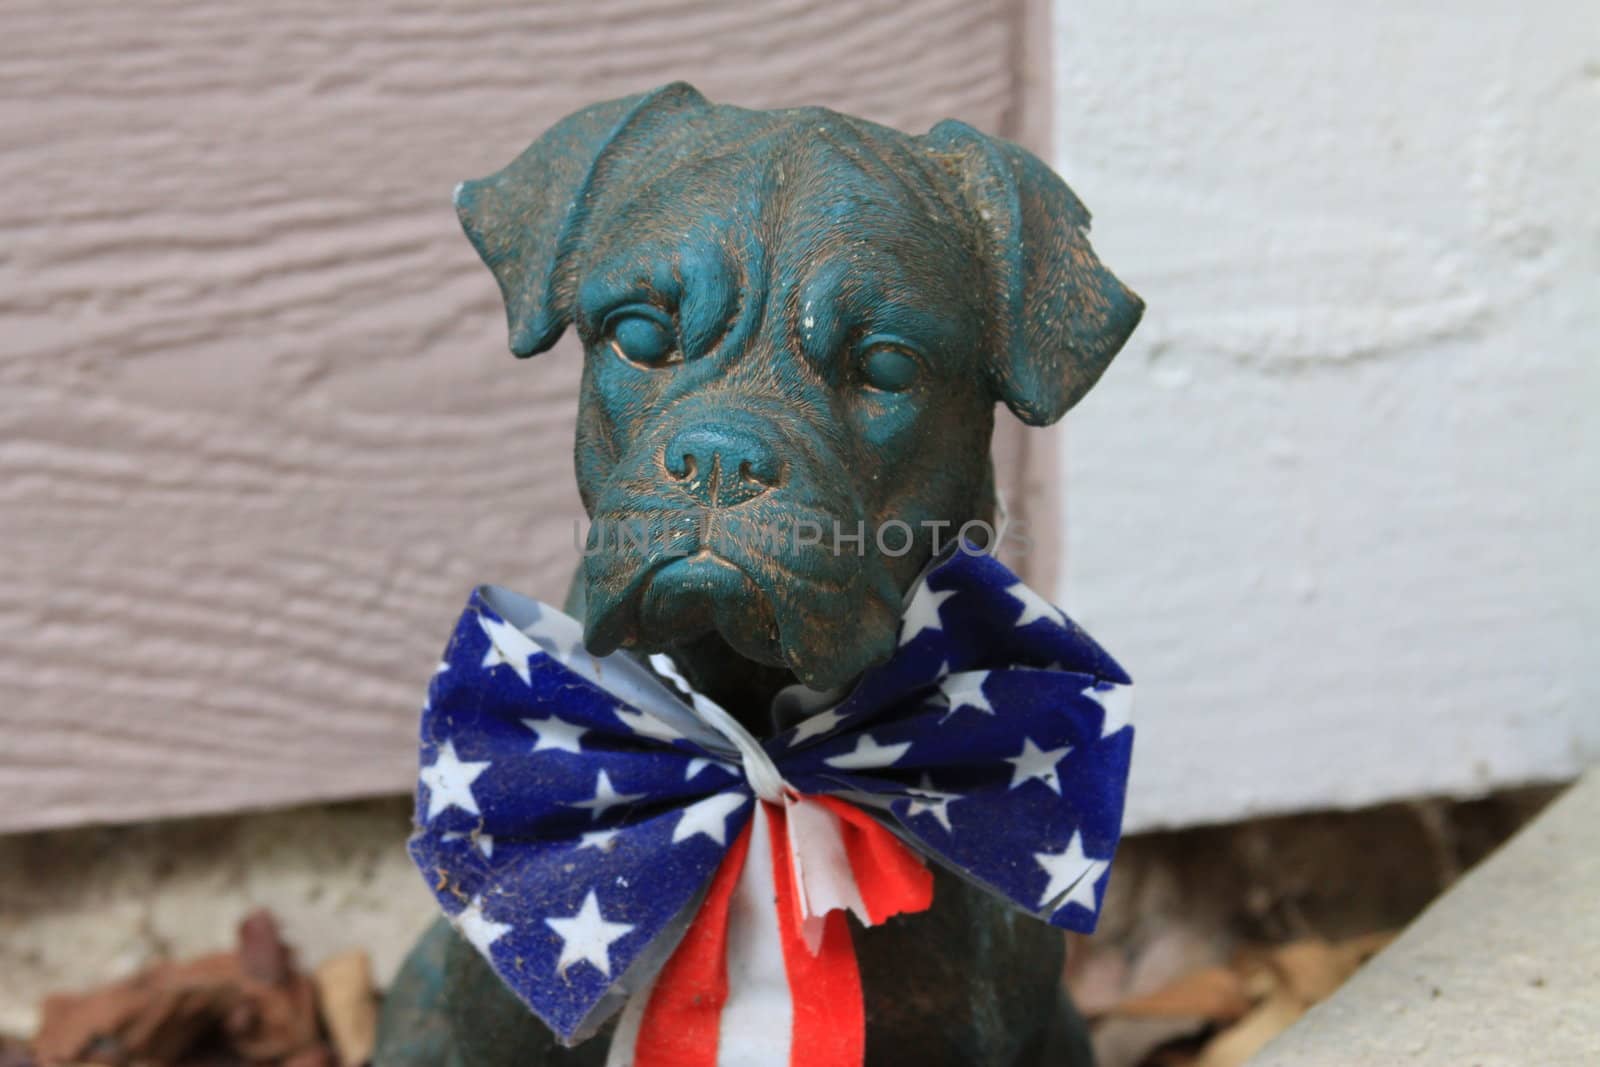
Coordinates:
[1221,1015]
[349,1002]
[15,1054]
[247,1008]
[1212,939]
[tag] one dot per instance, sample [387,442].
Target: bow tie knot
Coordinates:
[759,770]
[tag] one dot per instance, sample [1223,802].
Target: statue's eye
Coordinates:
[642,334]
[889,366]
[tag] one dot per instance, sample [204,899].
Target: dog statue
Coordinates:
[789,317]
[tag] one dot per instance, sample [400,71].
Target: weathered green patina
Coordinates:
[790,317]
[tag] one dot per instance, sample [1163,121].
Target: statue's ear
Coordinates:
[525,220]
[1061,315]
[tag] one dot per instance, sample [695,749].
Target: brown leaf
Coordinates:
[1312,969]
[165,1009]
[1213,993]
[262,953]
[349,1002]
[15,1054]
[283,1019]
[315,1057]
[251,1001]
[1235,1045]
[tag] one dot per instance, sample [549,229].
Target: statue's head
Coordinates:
[797,325]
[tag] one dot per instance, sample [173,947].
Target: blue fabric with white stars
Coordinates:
[556,823]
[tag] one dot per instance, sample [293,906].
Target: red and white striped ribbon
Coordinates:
[766,974]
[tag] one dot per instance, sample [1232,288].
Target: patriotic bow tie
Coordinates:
[604,839]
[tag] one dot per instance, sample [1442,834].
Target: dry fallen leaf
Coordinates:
[1308,970]
[1242,1006]
[249,1006]
[1239,1042]
[157,1014]
[1215,994]
[1311,969]
[349,1002]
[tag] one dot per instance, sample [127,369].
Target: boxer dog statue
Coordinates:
[793,321]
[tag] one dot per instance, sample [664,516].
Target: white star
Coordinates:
[508,646]
[929,801]
[443,666]
[605,797]
[645,724]
[486,845]
[965,690]
[556,633]
[709,817]
[604,840]
[1073,876]
[700,763]
[816,725]
[449,780]
[1118,704]
[868,753]
[477,928]
[556,735]
[1034,762]
[1034,606]
[586,937]
[923,612]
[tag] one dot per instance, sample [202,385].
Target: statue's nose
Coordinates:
[722,466]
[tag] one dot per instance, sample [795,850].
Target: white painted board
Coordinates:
[1337,507]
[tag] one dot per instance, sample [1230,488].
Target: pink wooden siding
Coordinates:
[259,433]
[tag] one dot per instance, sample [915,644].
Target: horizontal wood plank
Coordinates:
[259,434]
